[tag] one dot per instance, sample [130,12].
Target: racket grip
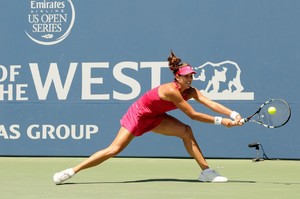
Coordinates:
[244,120]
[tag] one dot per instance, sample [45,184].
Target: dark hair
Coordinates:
[175,62]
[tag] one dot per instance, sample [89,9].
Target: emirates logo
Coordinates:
[49,21]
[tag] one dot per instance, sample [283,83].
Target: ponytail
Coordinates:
[174,62]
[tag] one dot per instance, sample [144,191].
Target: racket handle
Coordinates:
[244,120]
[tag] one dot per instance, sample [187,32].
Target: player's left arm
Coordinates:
[215,106]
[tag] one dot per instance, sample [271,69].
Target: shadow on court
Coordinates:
[137,181]
[179,180]
[153,180]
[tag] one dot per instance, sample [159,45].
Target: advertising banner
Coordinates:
[69,70]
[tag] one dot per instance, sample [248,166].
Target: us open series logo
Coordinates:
[49,21]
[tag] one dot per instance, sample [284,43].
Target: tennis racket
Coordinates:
[272,114]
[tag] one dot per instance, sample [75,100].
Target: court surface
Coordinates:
[145,178]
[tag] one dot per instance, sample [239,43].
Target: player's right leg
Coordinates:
[122,139]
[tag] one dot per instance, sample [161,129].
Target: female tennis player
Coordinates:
[148,113]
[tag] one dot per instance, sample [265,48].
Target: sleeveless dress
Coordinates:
[147,112]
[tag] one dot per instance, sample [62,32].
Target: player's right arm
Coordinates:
[170,93]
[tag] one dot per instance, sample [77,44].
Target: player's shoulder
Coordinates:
[170,87]
[168,90]
[191,92]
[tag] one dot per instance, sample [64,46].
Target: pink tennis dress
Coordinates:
[146,113]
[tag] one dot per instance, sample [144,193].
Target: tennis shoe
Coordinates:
[62,176]
[209,175]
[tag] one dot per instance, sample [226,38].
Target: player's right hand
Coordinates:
[228,122]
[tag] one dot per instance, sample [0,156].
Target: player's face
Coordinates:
[185,81]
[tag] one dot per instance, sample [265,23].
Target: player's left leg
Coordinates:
[171,126]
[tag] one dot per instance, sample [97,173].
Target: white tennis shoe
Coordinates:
[209,175]
[62,176]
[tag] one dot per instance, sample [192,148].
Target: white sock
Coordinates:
[70,171]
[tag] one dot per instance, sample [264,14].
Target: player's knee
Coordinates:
[114,150]
[188,132]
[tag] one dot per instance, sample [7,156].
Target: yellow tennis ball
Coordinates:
[272,110]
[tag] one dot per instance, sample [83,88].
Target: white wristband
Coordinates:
[218,120]
[233,115]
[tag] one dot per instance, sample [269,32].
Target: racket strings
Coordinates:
[277,119]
